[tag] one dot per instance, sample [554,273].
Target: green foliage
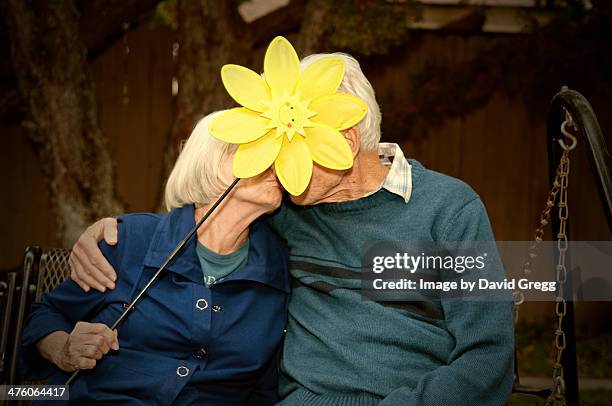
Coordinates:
[588,397]
[535,348]
[369,27]
[536,352]
[166,14]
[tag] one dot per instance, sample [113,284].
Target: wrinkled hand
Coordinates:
[86,344]
[88,267]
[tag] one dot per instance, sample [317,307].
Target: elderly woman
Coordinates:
[208,330]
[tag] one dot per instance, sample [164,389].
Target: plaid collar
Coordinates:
[399,179]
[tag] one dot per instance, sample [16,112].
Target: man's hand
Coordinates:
[88,267]
[80,349]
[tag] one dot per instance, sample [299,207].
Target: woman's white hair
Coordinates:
[357,84]
[198,177]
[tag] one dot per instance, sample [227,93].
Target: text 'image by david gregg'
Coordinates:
[306,202]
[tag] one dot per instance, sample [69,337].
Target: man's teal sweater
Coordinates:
[343,350]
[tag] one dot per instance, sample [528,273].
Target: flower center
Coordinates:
[289,115]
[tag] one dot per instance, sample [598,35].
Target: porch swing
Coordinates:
[44,269]
[577,119]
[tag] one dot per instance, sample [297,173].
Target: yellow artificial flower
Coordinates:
[290,118]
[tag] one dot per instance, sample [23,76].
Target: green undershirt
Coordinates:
[216,266]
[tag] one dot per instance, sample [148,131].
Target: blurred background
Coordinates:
[96,97]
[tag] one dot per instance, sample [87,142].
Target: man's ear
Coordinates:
[353,137]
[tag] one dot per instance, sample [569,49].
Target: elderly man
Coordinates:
[340,349]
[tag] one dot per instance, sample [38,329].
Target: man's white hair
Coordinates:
[357,84]
[197,177]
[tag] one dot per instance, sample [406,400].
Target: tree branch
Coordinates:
[100,25]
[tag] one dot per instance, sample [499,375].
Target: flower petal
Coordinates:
[294,165]
[254,157]
[321,78]
[281,66]
[328,147]
[238,125]
[339,111]
[245,86]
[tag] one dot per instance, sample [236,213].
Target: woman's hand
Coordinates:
[88,267]
[80,349]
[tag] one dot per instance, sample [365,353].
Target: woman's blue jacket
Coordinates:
[183,343]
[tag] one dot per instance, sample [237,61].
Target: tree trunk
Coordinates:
[101,24]
[312,29]
[50,61]
[211,34]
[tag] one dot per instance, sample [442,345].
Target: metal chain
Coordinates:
[558,190]
[518,296]
[557,397]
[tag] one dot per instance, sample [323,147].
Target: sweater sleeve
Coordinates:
[60,310]
[479,370]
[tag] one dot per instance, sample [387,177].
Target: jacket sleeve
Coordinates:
[60,310]
[480,367]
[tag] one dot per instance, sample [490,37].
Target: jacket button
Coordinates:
[216,308]
[182,371]
[200,353]
[201,304]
